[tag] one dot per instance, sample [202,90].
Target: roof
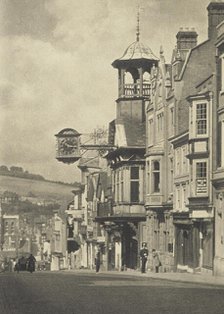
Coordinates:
[129,133]
[136,51]
[68,132]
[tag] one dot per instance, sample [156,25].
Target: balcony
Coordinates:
[134,90]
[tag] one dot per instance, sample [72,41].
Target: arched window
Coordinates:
[146,78]
[128,79]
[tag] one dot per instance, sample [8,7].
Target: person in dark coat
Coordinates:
[144,257]
[31,263]
[97,259]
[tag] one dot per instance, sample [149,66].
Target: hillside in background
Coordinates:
[19,172]
[51,191]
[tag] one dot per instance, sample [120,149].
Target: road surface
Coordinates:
[69,292]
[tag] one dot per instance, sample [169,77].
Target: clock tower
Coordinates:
[127,135]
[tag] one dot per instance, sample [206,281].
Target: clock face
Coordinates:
[68,145]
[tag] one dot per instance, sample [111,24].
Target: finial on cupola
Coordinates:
[161,50]
[138,24]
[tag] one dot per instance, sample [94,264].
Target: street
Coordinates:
[90,293]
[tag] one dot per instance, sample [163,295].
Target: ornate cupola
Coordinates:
[134,69]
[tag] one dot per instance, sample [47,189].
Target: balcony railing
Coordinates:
[134,90]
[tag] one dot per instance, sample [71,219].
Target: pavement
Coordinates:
[200,278]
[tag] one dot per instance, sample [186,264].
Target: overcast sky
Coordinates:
[56,68]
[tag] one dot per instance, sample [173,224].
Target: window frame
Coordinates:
[197,178]
[154,173]
[133,182]
[195,120]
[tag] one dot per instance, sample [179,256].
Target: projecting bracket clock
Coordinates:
[68,146]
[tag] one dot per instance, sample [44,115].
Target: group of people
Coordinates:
[144,252]
[26,264]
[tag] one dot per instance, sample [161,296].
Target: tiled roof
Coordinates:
[135,132]
[138,50]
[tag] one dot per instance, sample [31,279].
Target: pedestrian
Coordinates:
[144,257]
[31,263]
[155,261]
[97,259]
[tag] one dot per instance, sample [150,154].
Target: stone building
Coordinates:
[218,174]
[194,88]
[159,165]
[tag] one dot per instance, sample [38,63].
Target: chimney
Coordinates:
[186,39]
[215,17]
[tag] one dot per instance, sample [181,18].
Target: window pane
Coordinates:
[156,165]
[201,177]
[156,181]
[201,118]
[134,173]
[134,191]
[201,171]
[201,127]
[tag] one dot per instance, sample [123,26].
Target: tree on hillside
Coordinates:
[11,196]
[4,169]
[15,169]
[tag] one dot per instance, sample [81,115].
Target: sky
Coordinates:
[55,61]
